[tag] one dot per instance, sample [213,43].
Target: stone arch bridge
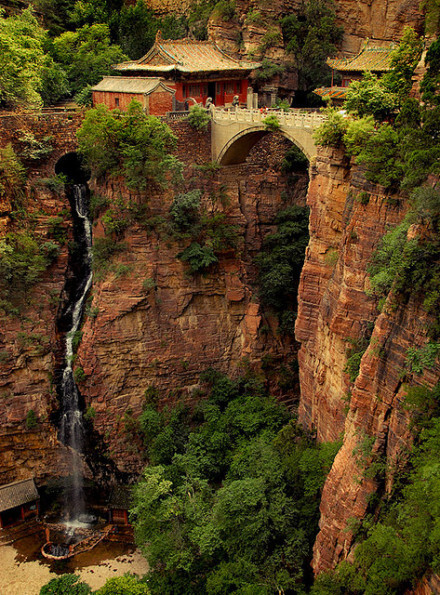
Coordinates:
[235,131]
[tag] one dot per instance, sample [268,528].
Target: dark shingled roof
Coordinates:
[186,56]
[18,493]
[121,497]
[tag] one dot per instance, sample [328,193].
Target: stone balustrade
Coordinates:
[294,118]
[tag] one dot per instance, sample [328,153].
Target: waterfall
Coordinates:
[71,426]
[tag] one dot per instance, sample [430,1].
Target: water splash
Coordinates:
[71,427]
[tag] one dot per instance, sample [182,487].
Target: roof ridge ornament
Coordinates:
[159,37]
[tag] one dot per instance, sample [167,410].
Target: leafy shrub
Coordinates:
[131,144]
[418,359]
[382,157]
[199,258]
[23,259]
[254,17]
[271,38]
[370,97]
[294,161]
[31,420]
[35,149]
[185,210]
[268,70]
[332,131]
[66,584]
[199,117]
[103,249]
[85,96]
[354,355]
[225,9]
[79,375]
[357,134]
[123,585]
[271,123]
[12,175]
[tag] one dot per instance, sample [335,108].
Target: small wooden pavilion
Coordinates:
[370,59]
[195,69]
[120,502]
[19,501]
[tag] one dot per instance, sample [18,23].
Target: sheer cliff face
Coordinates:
[374,19]
[334,310]
[164,333]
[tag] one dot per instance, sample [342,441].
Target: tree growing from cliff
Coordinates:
[129,144]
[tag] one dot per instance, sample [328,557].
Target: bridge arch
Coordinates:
[235,132]
[237,148]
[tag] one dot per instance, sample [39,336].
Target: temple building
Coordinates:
[155,97]
[370,59]
[19,501]
[194,70]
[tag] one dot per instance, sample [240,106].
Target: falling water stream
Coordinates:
[71,424]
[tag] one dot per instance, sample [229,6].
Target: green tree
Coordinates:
[131,144]
[236,507]
[86,55]
[54,83]
[370,96]
[12,176]
[21,59]
[430,85]
[280,263]
[404,60]
[311,36]
[66,584]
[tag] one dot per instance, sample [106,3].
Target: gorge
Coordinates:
[153,307]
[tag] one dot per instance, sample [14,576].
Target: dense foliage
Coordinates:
[70,584]
[229,503]
[312,35]
[21,59]
[280,263]
[128,144]
[86,55]
[23,260]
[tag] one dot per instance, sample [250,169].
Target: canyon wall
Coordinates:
[382,22]
[28,340]
[159,326]
[149,323]
[348,218]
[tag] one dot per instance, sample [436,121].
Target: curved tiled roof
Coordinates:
[332,92]
[369,59]
[186,56]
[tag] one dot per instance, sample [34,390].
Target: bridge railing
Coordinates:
[292,118]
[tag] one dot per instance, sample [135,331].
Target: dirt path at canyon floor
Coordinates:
[21,574]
